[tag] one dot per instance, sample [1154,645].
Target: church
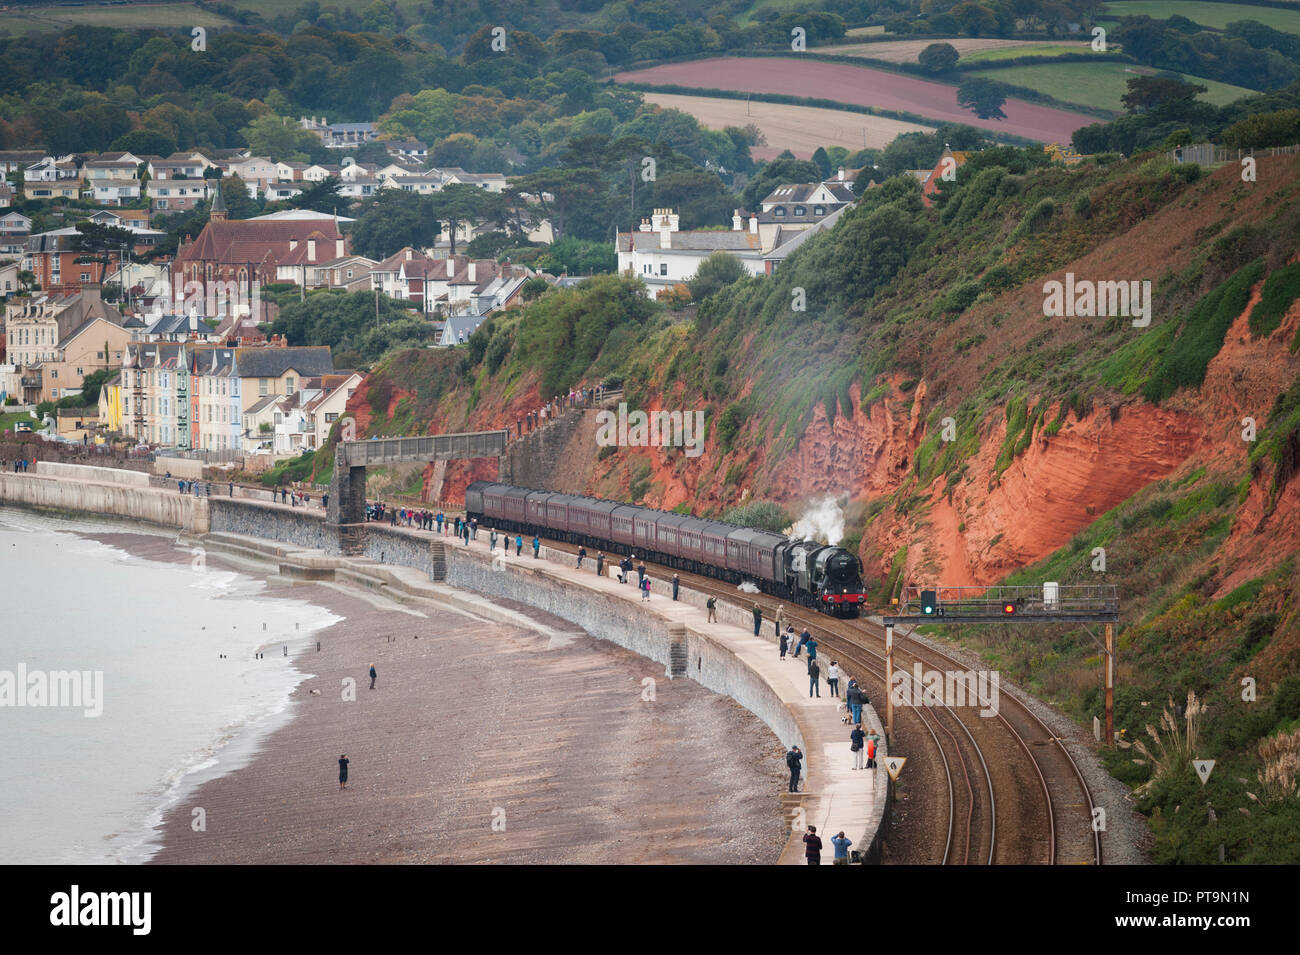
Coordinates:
[231,259]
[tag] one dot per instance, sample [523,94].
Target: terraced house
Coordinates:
[55,339]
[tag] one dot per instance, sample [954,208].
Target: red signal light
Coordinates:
[1008,607]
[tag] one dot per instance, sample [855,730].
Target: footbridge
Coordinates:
[347,506]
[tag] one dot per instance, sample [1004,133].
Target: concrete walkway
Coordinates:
[835,797]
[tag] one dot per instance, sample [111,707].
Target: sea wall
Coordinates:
[86,472]
[187,513]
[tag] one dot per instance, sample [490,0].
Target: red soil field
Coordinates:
[860,86]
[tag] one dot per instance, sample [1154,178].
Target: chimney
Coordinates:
[409,253]
[311,250]
[338,249]
[645,225]
[753,224]
[293,243]
[841,173]
[736,224]
[472,270]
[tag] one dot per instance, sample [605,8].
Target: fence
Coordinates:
[1208,154]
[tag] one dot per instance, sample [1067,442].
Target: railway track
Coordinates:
[1014,794]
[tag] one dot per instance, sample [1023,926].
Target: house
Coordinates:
[77,424]
[229,260]
[6,195]
[179,166]
[773,259]
[55,260]
[947,166]
[305,256]
[491,181]
[50,169]
[339,135]
[15,223]
[111,192]
[12,160]
[422,185]
[277,191]
[351,272]
[122,218]
[115,166]
[410,149]
[56,339]
[662,255]
[9,278]
[178,194]
[329,402]
[319,173]
[60,189]
[359,187]
[290,171]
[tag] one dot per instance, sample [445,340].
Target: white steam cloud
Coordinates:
[822,519]
[748,586]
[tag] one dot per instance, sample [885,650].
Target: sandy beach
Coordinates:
[483,742]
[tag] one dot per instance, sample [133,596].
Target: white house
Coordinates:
[662,255]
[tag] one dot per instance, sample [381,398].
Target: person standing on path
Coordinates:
[779,618]
[343,771]
[600,563]
[493,539]
[758,618]
[798,647]
[582,552]
[813,846]
[872,739]
[811,647]
[645,588]
[439,520]
[677,582]
[833,679]
[784,644]
[519,546]
[640,572]
[841,843]
[712,606]
[232,488]
[373,675]
[794,760]
[814,678]
[857,745]
[854,698]
[537,546]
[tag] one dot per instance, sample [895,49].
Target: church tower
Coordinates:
[218,211]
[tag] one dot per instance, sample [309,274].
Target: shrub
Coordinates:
[1280,290]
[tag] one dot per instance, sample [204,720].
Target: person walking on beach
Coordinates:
[812,846]
[712,606]
[343,771]
[794,760]
[758,618]
[833,678]
[814,678]
[784,644]
[373,675]
[857,745]
[519,546]
[841,843]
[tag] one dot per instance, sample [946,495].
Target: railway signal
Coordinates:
[929,602]
[1009,608]
[895,766]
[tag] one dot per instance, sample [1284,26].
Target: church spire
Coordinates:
[218,211]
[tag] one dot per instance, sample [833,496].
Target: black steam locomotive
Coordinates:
[813,574]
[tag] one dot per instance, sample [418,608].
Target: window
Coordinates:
[800,211]
[663,268]
[80,373]
[778,211]
[288,385]
[54,373]
[819,210]
[261,387]
[331,417]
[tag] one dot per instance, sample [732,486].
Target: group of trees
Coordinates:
[1246,53]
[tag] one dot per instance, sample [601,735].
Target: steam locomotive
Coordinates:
[816,575]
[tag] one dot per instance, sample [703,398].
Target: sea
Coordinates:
[194,674]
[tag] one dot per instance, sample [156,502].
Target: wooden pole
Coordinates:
[1110,684]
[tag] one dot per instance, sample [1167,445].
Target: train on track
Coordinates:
[816,575]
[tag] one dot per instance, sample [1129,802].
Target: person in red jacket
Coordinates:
[813,846]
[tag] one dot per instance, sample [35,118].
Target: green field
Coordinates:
[1216,15]
[1033,49]
[8,420]
[1096,84]
[18,21]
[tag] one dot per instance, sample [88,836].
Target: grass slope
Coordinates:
[1099,85]
[1217,15]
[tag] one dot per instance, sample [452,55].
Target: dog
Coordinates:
[314,692]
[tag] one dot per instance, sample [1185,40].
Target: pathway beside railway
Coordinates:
[834,796]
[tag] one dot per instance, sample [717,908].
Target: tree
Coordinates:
[773,174]
[280,139]
[460,202]
[97,243]
[321,196]
[1264,129]
[714,274]
[146,142]
[391,221]
[1147,93]
[984,96]
[938,57]
[239,204]
[823,162]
